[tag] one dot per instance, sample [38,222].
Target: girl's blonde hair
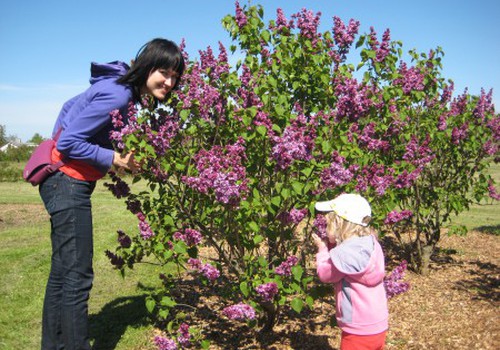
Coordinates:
[343,229]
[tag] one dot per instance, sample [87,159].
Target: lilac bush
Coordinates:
[234,161]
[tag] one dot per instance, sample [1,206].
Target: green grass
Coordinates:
[485,216]
[117,312]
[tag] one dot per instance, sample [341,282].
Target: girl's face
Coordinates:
[160,82]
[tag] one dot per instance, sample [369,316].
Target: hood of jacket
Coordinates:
[101,71]
[361,259]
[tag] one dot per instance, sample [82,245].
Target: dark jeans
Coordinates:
[65,308]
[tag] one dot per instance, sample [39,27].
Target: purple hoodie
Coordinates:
[85,118]
[357,269]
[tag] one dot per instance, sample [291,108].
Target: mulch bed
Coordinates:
[455,307]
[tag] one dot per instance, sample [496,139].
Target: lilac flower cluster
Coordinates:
[293,217]
[144,228]
[392,282]
[459,133]
[221,170]
[375,176]
[412,79]
[308,23]
[382,50]
[407,179]
[184,338]
[239,311]
[115,260]
[206,270]
[493,191]
[241,18]
[123,126]
[368,139]
[418,155]
[337,174]
[119,188]
[296,143]
[344,36]
[484,105]
[394,216]
[354,99]
[319,225]
[190,236]
[267,291]
[281,22]
[285,268]
[124,239]
[165,343]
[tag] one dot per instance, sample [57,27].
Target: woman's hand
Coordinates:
[126,162]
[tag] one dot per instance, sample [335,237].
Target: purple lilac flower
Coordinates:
[221,170]
[344,36]
[353,99]
[285,268]
[133,205]
[115,260]
[239,311]
[267,291]
[241,18]
[392,282]
[296,143]
[308,23]
[282,22]
[165,343]
[124,239]
[459,134]
[119,188]
[412,79]
[406,180]
[144,228]
[194,263]
[484,105]
[319,226]
[210,272]
[337,174]
[418,155]
[190,236]
[368,139]
[491,148]
[493,191]
[395,216]
[184,337]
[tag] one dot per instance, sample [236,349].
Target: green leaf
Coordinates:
[297,187]
[297,272]
[297,305]
[257,239]
[244,289]
[254,226]
[150,304]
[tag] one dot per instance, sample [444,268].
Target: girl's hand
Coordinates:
[320,243]
[126,162]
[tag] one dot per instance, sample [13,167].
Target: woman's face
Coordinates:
[160,82]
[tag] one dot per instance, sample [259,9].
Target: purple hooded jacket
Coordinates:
[85,118]
[356,267]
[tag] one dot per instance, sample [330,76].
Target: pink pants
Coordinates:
[362,342]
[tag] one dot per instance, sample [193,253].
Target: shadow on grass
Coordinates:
[108,326]
[492,230]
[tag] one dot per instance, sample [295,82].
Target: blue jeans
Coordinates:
[65,308]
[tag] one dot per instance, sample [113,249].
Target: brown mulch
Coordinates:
[455,307]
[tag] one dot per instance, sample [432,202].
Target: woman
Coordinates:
[84,124]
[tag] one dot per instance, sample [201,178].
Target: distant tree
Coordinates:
[37,139]
[3,138]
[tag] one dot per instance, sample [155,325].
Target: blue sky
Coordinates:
[46,46]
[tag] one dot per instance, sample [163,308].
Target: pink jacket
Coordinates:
[357,269]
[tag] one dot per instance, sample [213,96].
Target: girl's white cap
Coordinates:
[349,206]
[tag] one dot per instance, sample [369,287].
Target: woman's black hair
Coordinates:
[156,54]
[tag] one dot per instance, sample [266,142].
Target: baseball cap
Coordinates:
[349,206]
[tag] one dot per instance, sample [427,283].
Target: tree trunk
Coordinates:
[270,316]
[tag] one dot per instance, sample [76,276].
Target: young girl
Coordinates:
[84,142]
[352,259]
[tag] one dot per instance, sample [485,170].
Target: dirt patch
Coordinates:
[456,307]
[12,215]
